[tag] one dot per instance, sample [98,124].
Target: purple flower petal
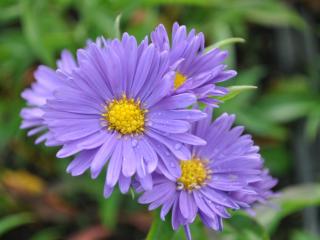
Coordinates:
[102,156]
[114,167]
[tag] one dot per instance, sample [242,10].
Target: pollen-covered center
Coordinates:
[193,174]
[125,116]
[179,80]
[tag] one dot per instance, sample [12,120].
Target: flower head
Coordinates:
[196,71]
[227,173]
[47,80]
[116,111]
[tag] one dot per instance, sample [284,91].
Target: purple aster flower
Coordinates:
[116,111]
[257,191]
[227,173]
[197,71]
[47,80]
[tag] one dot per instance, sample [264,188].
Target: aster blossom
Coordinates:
[47,80]
[227,173]
[197,71]
[116,111]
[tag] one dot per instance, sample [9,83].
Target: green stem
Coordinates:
[154,229]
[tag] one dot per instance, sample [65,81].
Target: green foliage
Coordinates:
[46,234]
[272,153]
[234,91]
[290,200]
[241,226]
[32,31]
[160,229]
[13,221]
[222,43]
[117,26]
[300,235]
[163,230]
[109,209]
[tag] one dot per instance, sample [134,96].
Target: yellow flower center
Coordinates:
[179,80]
[125,116]
[193,174]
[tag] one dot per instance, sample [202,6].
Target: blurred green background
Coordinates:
[281,56]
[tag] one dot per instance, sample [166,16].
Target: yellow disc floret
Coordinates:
[125,116]
[193,174]
[179,80]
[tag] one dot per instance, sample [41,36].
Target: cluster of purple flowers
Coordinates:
[131,110]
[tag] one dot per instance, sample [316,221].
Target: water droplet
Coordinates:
[177,146]
[172,164]
[149,123]
[134,142]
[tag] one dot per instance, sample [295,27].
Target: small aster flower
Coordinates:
[116,111]
[227,173]
[197,71]
[47,80]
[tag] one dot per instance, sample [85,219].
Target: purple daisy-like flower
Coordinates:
[47,80]
[258,191]
[227,173]
[197,71]
[116,111]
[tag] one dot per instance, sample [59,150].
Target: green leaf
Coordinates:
[300,235]
[273,13]
[100,23]
[286,107]
[9,13]
[242,226]
[198,230]
[15,57]
[160,229]
[10,222]
[313,123]
[31,29]
[163,230]
[117,26]
[272,154]
[132,193]
[236,90]
[290,200]
[255,121]
[47,234]
[109,209]
[222,31]
[251,77]
[187,2]
[225,42]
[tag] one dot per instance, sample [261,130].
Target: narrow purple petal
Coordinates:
[129,158]
[177,101]
[102,156]
[124,183]
[114,167]
[172,126]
